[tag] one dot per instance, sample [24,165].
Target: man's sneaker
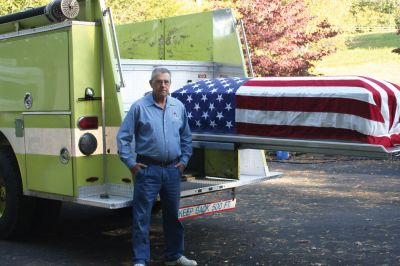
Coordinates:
[139,264]
[182,261]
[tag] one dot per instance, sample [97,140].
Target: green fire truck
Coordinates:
[63,97]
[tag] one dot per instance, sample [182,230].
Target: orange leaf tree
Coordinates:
[281,38]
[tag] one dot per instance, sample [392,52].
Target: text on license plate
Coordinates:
[206,208]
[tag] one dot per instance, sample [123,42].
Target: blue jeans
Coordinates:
[149,182]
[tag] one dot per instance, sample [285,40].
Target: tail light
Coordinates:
[87,143]
[88,122]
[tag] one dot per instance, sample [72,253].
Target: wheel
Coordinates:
[16,210]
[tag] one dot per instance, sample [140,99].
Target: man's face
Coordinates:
[160,84]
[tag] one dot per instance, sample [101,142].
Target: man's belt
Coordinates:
[147,160]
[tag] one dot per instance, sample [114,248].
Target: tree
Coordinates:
[373,13]
[8,6]
[125,11]
[397,23]
[397,19]
[281,38]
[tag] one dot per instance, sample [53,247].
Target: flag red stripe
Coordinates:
[311,104]
[392,102]
[313,133]
[397,87]
[317,83]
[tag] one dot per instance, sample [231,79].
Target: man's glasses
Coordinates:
[160,82]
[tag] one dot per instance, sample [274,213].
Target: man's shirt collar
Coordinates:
[149,100]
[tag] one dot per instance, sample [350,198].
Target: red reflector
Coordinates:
[92,179]
[88,122]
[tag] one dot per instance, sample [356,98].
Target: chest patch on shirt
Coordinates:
[175,115]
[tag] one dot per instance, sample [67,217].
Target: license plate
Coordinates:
[206,208]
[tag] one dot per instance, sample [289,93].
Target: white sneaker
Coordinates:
[182,261]
[139,264]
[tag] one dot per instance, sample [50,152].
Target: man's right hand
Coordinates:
[137,167]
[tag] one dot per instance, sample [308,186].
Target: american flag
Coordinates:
[349,108]
[210,104]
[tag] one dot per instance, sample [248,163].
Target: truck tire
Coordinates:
[16,210]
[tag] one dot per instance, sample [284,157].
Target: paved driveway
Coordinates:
[326,210]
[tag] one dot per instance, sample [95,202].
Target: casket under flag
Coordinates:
[346,108]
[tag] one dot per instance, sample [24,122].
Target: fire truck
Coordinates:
[61,105]
[65,91]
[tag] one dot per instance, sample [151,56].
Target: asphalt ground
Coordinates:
[325,210]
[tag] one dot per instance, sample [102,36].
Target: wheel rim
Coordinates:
[2,196]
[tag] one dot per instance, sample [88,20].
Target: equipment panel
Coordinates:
[48,147]
[35,69]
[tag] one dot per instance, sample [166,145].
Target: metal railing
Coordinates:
[371,28]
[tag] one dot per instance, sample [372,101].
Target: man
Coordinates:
[158,126]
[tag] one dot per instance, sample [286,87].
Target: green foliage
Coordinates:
[124,10]
[9,6]
[381,6]
[336,12]
[343,14]
[367,54]
[346,15]
[397,20]
[137,10]
[373,13]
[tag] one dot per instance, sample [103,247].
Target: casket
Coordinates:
[346,108]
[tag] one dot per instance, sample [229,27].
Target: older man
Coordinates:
[158,125]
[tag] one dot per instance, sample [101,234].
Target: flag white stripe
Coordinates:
[314,119]
[384,99]
[396,125]
[356,93]
[307,78]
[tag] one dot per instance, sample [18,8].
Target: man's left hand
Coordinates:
[181,166]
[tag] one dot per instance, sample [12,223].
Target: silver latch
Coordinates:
[19,128]
[28,100]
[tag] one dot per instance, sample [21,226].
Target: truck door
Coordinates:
[48,148]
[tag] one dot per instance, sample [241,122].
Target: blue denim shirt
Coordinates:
[163,135]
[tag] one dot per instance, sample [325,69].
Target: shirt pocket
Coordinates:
[176,126]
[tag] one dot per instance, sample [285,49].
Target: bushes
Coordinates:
[397,20]
[373,13]
[7,7]
[357,15]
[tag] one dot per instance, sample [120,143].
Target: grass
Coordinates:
[367,54]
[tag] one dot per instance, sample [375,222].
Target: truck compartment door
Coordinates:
[48,147]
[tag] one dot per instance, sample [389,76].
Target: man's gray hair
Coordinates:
[160,70]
